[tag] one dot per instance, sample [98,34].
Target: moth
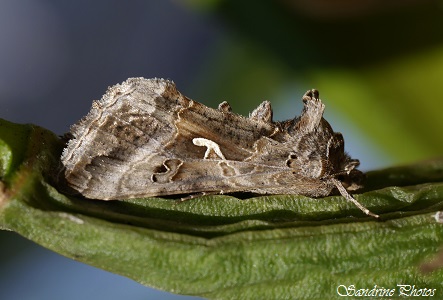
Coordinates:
[144,138]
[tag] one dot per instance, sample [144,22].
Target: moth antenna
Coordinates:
[348,197]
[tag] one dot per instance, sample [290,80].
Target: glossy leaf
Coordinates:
[223,247]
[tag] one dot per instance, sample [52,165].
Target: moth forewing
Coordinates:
[144,138]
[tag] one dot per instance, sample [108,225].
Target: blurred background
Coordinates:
[378,66]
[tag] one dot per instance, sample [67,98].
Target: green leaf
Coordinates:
[222,247]
[372,65]
[12,146]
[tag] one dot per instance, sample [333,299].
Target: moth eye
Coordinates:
[341,177]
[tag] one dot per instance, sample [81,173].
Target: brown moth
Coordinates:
[144,138]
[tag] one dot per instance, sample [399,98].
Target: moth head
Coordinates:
[341,165]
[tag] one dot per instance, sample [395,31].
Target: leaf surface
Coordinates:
[222,247]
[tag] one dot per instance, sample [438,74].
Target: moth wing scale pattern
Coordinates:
[144,138]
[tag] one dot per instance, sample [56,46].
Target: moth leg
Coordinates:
[348,197]
[189,197]
[210,145]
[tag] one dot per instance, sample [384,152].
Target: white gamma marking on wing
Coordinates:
[210,145]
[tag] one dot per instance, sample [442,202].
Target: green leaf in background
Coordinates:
[221,247]
[379,65]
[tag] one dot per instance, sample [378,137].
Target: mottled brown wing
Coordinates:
[126,126]
[138,140]
[235,134]
[144,138]
[223,176]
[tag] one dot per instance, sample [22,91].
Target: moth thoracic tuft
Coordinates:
[144,138]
